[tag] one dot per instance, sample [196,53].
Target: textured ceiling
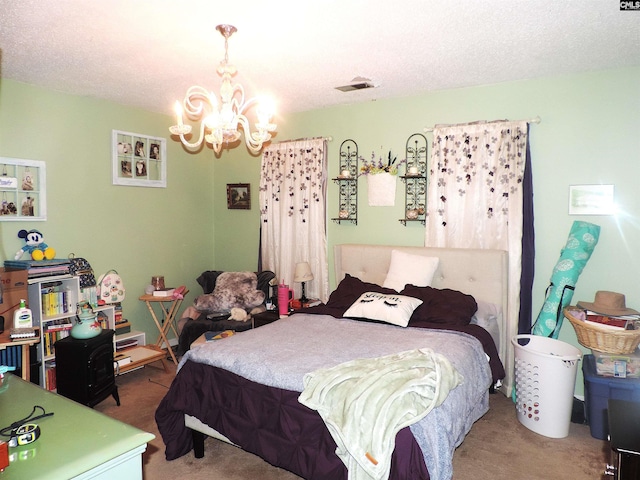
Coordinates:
[146,53]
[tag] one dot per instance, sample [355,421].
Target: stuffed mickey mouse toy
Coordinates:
[35,246]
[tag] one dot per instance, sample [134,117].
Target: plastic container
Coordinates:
[545,378]
[22,317]
[597,392]
[617,365]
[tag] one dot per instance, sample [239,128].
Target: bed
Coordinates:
[245,389]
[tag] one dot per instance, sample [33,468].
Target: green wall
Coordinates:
[589,134]
[138,231]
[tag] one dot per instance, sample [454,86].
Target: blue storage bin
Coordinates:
[597,392]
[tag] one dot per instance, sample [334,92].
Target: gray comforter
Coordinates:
[281,353]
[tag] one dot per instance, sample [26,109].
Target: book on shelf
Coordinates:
[37,272]
[122,327]
[50,377]
[58,327]
[26,264]
[48,278]
[55,302]
[126,343]
[89,294]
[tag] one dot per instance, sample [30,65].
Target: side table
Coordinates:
[168,307]
[263,318]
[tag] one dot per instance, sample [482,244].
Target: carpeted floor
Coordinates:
[498,446]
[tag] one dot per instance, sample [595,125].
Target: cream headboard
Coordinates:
[476,272]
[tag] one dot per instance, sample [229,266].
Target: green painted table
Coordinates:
[75,443]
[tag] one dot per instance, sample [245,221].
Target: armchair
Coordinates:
[222,296]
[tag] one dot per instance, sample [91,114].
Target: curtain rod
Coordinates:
[536,119]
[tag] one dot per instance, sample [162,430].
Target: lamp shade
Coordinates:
[303,272]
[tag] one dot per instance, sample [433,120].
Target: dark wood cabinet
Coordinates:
[624,435]
[84,369]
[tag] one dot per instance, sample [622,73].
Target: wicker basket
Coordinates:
[603,339]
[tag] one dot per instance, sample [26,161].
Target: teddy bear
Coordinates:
[233,290]
[35,246]
[241,315]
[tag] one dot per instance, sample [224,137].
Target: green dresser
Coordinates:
[75,443]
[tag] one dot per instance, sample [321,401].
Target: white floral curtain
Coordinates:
[475,197]
[293,212]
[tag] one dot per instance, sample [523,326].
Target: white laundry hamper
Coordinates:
[545,378]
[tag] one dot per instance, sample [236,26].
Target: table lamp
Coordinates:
[303,274]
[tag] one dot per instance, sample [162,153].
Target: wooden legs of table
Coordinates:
[166,324]
[26,363]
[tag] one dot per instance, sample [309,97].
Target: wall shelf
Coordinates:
[415,180]
[347,182]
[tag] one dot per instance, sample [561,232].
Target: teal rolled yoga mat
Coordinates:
[582,240]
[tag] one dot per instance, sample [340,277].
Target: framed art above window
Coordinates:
[138,160]
[23,190]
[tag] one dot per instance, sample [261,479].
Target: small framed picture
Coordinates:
[591,200]
[138,160]
[239,196]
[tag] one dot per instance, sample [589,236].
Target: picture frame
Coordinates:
[23,190]
[238,196]
[591,200]
[138,160]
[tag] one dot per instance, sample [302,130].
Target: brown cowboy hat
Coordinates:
[608,303]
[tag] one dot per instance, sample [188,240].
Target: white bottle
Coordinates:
[22,317]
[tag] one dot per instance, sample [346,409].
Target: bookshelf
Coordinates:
[53,303]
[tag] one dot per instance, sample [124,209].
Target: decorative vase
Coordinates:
[381,189]
[412,214]
[87,325]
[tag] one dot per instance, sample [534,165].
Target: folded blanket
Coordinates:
[365,402]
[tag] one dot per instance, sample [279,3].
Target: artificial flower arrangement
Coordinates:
[380,166]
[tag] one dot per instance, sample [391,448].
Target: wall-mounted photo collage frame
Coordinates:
[23,190]
[138,160]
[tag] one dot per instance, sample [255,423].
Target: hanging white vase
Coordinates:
[381,189]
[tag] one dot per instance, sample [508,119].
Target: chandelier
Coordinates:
[220,119]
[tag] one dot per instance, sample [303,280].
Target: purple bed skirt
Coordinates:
[266,421]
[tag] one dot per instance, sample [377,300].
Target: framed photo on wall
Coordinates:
[138,160]
[591,200]
[239,196]
[23,190]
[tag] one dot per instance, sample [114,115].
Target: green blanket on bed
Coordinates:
[366,402]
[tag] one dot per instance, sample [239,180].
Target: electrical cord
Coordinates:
[28,432]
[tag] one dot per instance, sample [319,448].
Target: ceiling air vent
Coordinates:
[361,84]
[357,83]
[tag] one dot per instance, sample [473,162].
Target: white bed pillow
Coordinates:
[406,268]
[389,308]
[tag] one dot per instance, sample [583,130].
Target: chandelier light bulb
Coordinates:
[219,120]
